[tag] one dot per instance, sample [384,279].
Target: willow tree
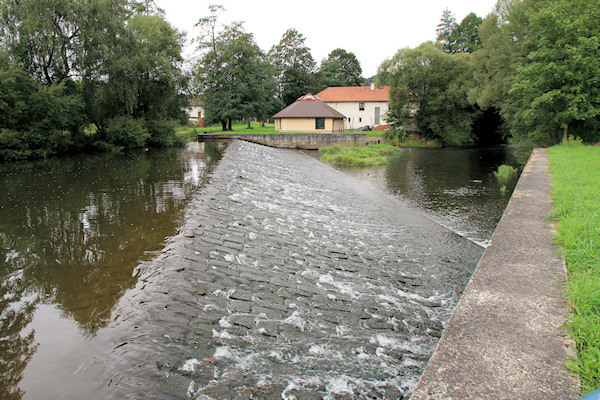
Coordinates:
[429,88]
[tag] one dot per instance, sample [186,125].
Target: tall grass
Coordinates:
[576,191]
[368,156]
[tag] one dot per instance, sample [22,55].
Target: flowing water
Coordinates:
[241,273]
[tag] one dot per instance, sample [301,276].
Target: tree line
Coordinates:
[89,75]
[531,67]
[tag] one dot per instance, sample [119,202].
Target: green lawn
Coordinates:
[575,172]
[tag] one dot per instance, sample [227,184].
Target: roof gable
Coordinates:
[308,106]
[354,93]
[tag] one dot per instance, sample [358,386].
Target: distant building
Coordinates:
[362,105]
[195,111]
[309,114]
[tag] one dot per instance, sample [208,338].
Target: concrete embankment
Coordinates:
[305,141]
[504,340]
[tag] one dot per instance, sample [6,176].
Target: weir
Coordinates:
[305,141]
[289,280]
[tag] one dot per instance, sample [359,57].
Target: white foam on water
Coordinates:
[222,335]
[339,386]
[190,365]
[225,352]
[344,288]
[225,323]
[295,320]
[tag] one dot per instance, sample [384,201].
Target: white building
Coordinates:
[195,111]
[362,105]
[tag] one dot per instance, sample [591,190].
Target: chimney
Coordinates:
[372,86]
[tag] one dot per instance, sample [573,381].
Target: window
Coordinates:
[377,115]
[319,123]
[361,106]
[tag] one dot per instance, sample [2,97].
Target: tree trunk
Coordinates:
[229,125]
[566,133]
[224,124]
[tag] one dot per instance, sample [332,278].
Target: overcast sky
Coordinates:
[372,30]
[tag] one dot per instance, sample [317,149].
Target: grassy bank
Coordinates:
[367,156]
[576,191]
[190,131]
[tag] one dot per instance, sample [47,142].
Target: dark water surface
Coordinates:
[72,232]
[75,231]
[453,187]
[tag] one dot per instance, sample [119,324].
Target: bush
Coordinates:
[127,132]
[163,133]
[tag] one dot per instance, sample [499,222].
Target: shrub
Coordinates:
[127,132]
[163,133]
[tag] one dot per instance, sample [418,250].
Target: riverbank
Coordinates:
[576,181]
[504,339]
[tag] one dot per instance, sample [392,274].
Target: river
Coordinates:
[114,285]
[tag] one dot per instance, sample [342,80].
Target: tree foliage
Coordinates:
[533,62]
[295,66]
[558,84]
[459,38]
[71,69]
[341,68]
[233,77]
[429,88]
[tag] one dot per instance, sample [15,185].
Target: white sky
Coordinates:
[373,31]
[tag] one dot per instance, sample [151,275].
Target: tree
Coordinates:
[233,78]
[459,38]
[295,66]
[558,86]
[468,39]
[446,32]
[432,85]
[89,62]
[341,68]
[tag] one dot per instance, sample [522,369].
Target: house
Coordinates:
[362,105]
[195,111]
[309,114]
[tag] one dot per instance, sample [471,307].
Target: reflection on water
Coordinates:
[454,187]
[72,231]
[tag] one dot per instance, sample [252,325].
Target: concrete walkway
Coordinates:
[504,339]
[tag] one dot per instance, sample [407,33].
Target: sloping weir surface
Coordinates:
[289,279]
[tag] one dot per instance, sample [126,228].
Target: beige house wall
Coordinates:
[307,125]
[355,118]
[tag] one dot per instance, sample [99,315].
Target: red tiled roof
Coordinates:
[354,93]
[308,106]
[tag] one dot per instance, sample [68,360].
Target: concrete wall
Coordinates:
[307,141]
[356,118]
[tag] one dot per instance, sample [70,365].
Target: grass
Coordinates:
[190,131]
[368,156]
[575,172]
